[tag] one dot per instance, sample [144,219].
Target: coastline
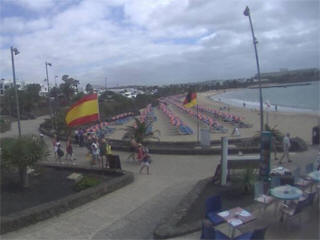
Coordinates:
[236,102]
[298,124]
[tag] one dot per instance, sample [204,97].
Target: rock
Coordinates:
[75,176]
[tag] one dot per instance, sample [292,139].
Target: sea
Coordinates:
[296,98]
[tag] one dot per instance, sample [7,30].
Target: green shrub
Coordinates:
[5,125]
[86,182]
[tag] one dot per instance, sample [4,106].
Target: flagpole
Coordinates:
[197,123]
[98,108]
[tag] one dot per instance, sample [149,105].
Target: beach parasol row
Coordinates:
[202,117]
[174,120]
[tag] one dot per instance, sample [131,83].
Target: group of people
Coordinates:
[59,153]
[99,149]
[140,154]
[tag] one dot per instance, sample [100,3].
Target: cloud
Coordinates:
[157,42]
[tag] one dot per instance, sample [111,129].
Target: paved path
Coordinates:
[133,211]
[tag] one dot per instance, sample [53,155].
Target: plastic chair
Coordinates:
[213,206]
[293,210]
[260,197]
[255,234]
[298,181]
[309,168]
[209,232]
[275,181]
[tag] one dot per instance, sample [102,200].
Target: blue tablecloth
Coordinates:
[286,192]
[315,176]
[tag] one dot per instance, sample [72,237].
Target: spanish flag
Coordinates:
[84,111]
[191,100]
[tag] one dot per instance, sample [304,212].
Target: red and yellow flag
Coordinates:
[84,111]
[191,100]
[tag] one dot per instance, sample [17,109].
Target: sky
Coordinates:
[155,42]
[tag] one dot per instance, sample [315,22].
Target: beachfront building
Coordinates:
[6,84]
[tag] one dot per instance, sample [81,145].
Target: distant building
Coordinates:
[6,84]
[285,71]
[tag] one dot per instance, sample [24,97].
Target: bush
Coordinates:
[5,125]
[86,182]
[298,145]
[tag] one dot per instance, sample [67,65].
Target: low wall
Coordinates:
[171,228]
[41,212]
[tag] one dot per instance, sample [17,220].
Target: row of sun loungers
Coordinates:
[214,125]
[175,121]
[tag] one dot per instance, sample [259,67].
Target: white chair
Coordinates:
[260,197]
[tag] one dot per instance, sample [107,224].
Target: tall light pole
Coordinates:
[49,64]
[55,80]
[247,13]
[14,51]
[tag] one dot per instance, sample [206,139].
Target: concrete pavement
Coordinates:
[133,211]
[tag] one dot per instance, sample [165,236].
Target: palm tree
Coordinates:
[140,131]
[69,86]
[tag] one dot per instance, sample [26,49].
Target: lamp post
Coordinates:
[247,13]
[14,51]
[50,107]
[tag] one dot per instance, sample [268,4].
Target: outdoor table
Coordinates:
[285,193]
[315,176]
[281,171]
[236,217]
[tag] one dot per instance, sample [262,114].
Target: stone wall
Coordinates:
[41,212]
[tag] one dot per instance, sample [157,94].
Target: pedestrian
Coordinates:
[286,147]
[69,151]
[235,132]
[54,142]
[146,160]
[81,132]
[276,108]
[58,150]
[76,136]
[274,147]
[108,153]
[133,149]
[140,153]
[102,150]
[95,152]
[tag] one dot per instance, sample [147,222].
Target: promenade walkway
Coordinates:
[135,210]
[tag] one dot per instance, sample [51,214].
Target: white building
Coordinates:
[6,84]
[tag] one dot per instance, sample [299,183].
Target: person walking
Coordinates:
[95,152]
[146,160]
[133,149]
[108,153]
[103,151]
[54,143]
[69,151]
[286,146]
[58,151]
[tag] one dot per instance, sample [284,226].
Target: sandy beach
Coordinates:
[295,123]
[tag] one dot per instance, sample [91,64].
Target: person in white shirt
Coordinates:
[286,146]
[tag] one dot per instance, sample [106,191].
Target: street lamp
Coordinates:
[247,13]
[49,64]
[55,80]
[14,51]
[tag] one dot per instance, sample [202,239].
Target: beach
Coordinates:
[298,124]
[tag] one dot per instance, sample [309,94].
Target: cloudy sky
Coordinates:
[155,41]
